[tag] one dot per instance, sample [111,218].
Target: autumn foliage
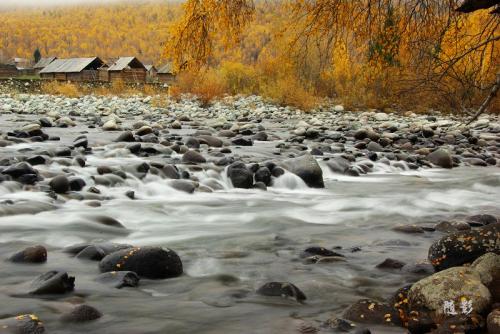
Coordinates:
[294,52]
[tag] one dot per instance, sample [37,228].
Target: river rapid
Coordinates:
[230,240]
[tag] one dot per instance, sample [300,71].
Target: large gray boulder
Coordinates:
[441,157]
[454,285]
[240,175]
[307,168]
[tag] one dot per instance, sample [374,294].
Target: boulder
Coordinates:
[110,125]
[263,174]
[60,184]
[97,251]
[22,324]
[126,136]
[481,220]
[454,285]
[119,279]
[464,246]
[186,186]
[241,141]
[338,165]
[282,289]
[82,313]
[34,254]
[372,312]
[19,170]
[193,157]
[488,267]
[441,158]
[148,262]
[319,251]
[51,283]
[240,175]
[493,321]
[307,168]
[210,141]
[391,264]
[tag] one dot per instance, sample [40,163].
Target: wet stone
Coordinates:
[148,262]
[82,313]
[119,279]
[464,246]
[240,175]
[60,184]
[34,254]
[52,283]
[97,252]
[22,324]
[282,289]
[320,251]
[372,312]
[391,264]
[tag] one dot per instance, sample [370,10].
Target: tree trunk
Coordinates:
[488,100]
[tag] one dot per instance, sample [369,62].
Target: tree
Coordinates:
[432,35]
[37,55]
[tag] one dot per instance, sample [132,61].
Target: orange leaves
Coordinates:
[204,23]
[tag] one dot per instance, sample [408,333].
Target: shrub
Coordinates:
[61,88]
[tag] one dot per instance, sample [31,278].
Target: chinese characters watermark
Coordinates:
[465,307]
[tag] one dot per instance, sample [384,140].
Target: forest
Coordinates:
[294,52]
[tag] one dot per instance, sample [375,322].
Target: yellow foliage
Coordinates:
[206,85]
[289,92]
[61,88]
[239,78]
[294,52]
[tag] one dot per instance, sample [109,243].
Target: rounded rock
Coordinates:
[148,262]
[34,254]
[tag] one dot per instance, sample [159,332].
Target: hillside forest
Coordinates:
[294,52]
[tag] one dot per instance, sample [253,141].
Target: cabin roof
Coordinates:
[71,65]
[166,69]
[125,62]
[44,62]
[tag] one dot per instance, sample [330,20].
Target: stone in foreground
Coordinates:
[464,246]
[52,283]
[34,254]
[372,312]
[148,262]
[458,285]
[22,324]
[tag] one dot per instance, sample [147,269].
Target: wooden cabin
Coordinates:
[127,69]
[152,73]
[73,69]
[166,74]
[103,73]
[42,63]
[8,71]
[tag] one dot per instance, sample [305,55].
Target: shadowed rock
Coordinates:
[82,313]
[464,246]
[51,283]
[282,289]
[22,324]
[34,254]
[119,279]
[149,262]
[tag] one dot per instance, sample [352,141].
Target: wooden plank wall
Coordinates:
[128,75]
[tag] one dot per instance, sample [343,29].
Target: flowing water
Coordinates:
[231,241]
